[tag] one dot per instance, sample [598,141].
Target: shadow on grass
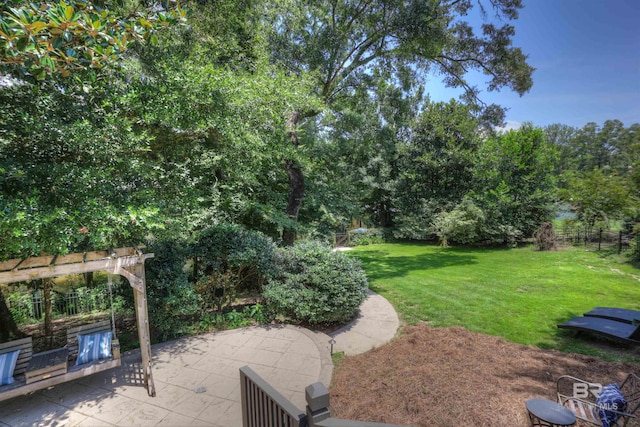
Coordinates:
[379,265]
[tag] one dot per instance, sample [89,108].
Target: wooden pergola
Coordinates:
[126,262]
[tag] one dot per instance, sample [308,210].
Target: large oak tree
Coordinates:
[339,42]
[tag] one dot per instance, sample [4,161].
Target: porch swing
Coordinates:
[90,348]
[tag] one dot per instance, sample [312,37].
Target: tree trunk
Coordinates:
[88,279]
[296,180]
[296,193]
[8,328]
[296,177]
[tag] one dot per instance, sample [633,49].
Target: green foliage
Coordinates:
[437,167]
[239,258]
[338,43]
[515,185]
[316,285]
[463,224]
[74,174]
[464,191]
[635,245]
[253,314]
[20,306]
[596,196]
[170,296]
[217,290]
[72,298]
[346,47]
[58,37]
[367,236]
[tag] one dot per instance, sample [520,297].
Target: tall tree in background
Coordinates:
[359,169]
[598,165]
[211,87]
[596,196]
[515,184]
[436,166]
[560,136]
[340,42]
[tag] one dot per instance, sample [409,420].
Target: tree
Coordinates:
[358,143]
[515,185]
[8,328]
[58,37]
[596,196]
[72,172]
[436,166]
[340,42]
[211,87]
[560,136]
[594,147]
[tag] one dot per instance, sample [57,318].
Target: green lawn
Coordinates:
[519,294]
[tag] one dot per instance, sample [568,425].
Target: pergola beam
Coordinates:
[56,270]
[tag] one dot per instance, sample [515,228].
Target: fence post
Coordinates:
[317,397]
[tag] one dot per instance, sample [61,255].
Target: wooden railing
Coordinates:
[264,406]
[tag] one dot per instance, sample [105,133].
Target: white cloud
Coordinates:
[509,125]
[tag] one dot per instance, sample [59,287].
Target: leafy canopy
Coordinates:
[57,37]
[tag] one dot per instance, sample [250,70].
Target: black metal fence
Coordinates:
[28,307]
[598,239]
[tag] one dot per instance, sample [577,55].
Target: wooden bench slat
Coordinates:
[82,329]
[10,346]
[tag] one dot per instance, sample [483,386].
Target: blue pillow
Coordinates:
[7,365]
[610,398]
[94,347]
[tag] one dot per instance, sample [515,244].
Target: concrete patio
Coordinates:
[196,378]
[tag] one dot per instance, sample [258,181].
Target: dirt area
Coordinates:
[440,377]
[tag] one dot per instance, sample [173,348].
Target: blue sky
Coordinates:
[587,59]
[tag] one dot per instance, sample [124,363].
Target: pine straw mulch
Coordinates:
[453,377]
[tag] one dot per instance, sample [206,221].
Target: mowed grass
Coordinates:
[519,294]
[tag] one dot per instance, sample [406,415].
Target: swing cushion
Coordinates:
[94,347]
[7,365]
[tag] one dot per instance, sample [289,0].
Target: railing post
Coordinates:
[317,397]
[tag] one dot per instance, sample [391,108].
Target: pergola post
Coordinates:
[136,276]
[140,298]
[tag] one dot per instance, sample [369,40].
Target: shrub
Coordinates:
[545,238]
[461,224]
[232,250]
[217,290]
[20,305]
[365,236]
[316,285]
[233,319]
